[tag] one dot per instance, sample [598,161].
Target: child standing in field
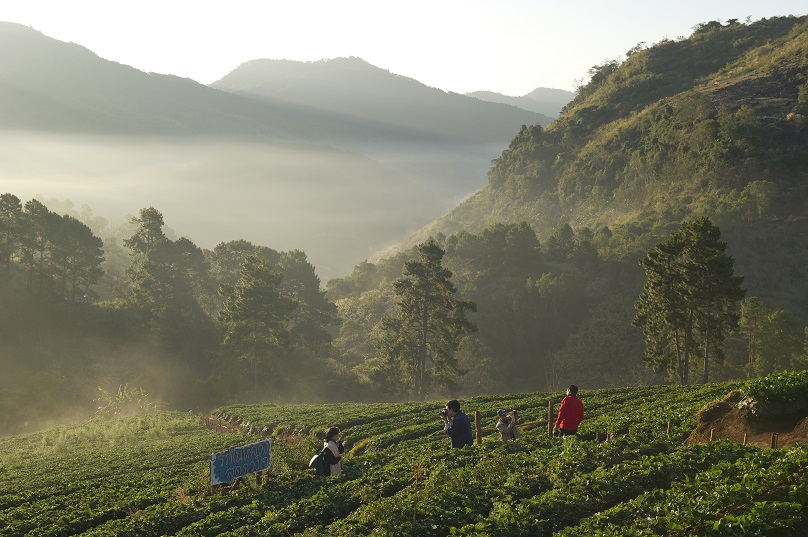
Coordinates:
[506,425]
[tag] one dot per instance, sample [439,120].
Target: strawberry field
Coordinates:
[148,475]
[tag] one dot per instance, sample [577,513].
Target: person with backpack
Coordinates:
[333,448]
[328,461]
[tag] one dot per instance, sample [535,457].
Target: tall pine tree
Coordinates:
[428,329]
[689,300]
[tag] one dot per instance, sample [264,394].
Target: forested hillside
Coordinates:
[152,321]
[693,149]
[714,125]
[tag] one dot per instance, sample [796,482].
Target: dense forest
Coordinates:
[156,321]
[540,269]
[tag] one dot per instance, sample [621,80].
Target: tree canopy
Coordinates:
[420,342]
[689,300]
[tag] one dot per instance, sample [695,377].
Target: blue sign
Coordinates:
[236,462]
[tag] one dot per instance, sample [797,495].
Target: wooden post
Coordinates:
[478,426]
[711,434]
[774,440]
[744,439]
[669,428]
[549,419]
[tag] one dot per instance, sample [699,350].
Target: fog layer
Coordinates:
[337,206]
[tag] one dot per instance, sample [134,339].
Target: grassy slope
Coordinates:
[148,475]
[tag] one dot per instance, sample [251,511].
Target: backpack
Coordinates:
[318,463]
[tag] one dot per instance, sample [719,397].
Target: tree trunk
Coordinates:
[685,374]
[706,370]
[419,380]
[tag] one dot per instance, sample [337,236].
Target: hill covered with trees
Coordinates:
[714,125]
[690,151]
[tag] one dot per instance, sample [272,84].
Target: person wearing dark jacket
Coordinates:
[570,413]
[333,451]
[457,425]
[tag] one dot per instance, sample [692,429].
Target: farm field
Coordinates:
[149,474]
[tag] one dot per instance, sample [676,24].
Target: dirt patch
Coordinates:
[724,420]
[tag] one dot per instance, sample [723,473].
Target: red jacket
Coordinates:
[570,413]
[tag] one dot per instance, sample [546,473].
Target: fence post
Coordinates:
[549,419]
[669,428]
[711,434]
[744,438]
[478,426]
[774,440]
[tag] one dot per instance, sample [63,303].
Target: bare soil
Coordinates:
[725,420]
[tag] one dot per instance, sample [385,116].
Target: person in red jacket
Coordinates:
[570,413]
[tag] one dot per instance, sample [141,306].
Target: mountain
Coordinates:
[545,101]
[681,126]
[388,103]
[714,125]
[336,181]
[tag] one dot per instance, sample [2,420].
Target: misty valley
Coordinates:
[260,239]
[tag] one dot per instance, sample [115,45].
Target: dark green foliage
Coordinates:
[148,475]
[254,319]
[420,342]
[158,332]
[689,299]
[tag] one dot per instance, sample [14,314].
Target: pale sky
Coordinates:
[506,46]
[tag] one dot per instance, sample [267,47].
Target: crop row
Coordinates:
[148,475]
[762,493]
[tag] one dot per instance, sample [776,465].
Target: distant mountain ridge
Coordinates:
[357,89]
[378,154]
[547,101]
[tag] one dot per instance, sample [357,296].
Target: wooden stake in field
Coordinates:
[549,419]
[478,426]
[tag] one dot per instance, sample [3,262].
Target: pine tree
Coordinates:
[254,317]
[689,299]
[429,326]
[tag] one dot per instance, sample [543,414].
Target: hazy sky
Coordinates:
[507,46]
